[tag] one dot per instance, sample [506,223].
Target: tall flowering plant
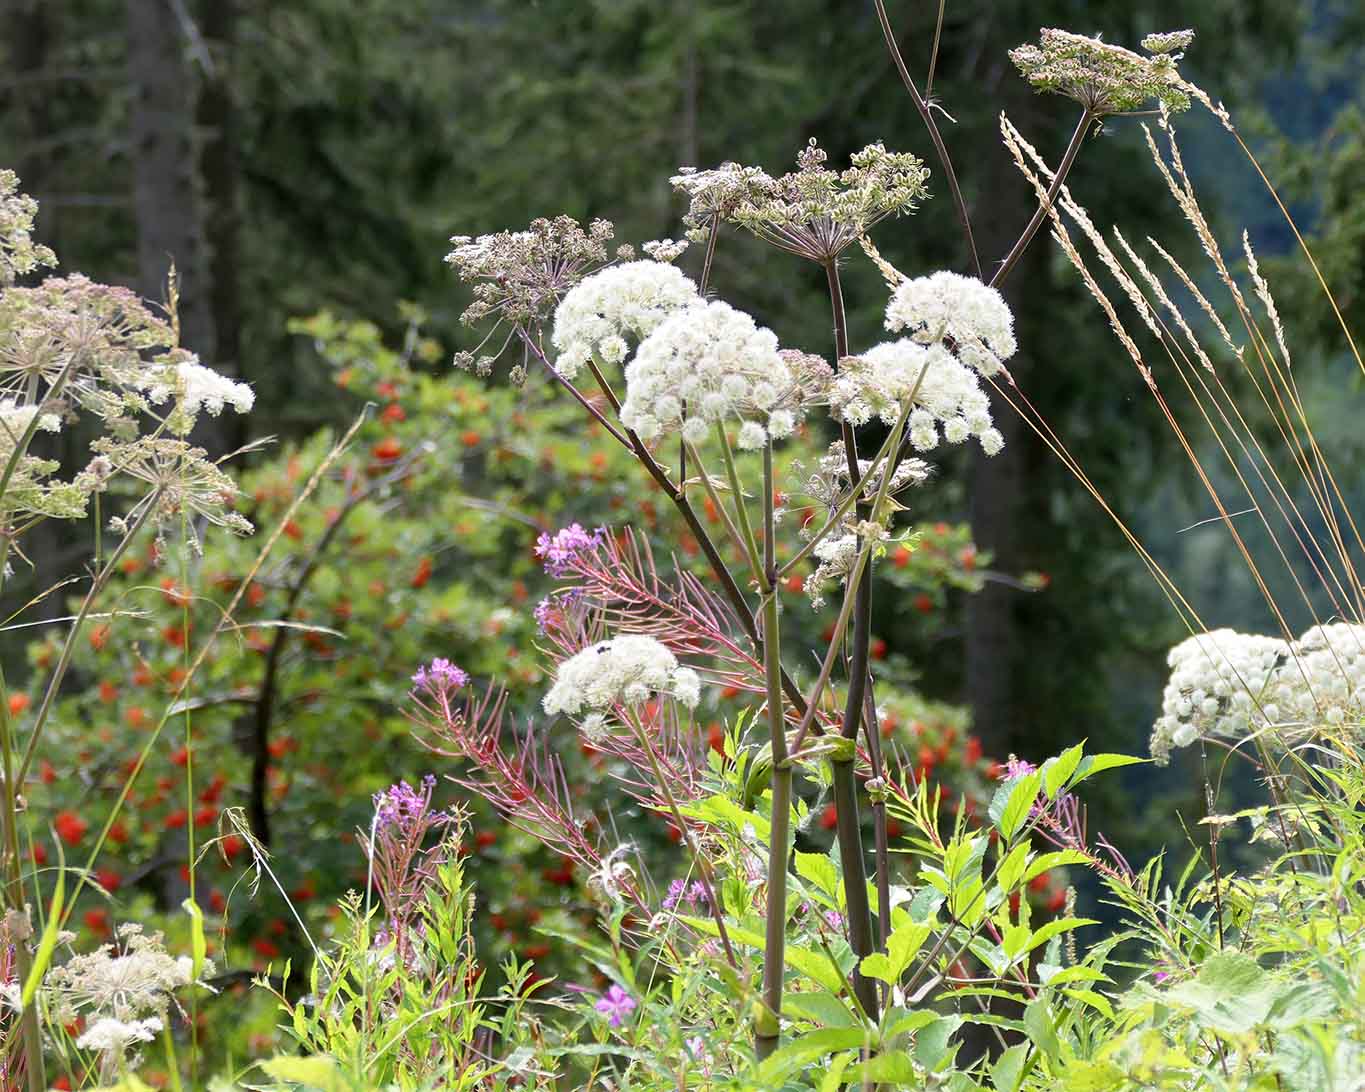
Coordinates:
[73,352]
[703,396]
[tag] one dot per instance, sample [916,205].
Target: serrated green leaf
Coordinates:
[1057,771]
[819,870]
[1022,793]
[1007,1072]
[1090,765]
[1056,927]
[1039,1025]
[895,1067]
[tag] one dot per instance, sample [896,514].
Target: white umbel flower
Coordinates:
[711,363]
[15,420]
[626,670]
[1221,684]
[197,389]
[949,395]
[601,312]
[948,306]
[113,1036]
[1229,684]
[1325,685]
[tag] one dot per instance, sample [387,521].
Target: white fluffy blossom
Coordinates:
[949,395]
[626,670]
[711,363]
[1230,684]
[197,389]
[601,311]
[1325,683]
[15,420]
[116,1036]
[1218,686]
[948,306]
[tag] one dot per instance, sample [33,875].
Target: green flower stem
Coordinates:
[715,499]
[848,824]
[741,509]
[768,1027]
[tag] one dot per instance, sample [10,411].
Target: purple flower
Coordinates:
[559,550]
[1016,767]
[402,806]
[440,677]
[616,1005]
[680,891]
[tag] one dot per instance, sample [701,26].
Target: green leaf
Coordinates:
[910,1021]
[1090,765]
[835,1076]
[1046,862]
[1007,1073]
[1083,1076]
[318,1071]
[932,1049]
[1056,927]
[813,1045]
[1093,999]
[820,1009]
[46,945]
[1010,871]
[199,948]
[895,1067]
[819,870]
[1022,794]
[901,947]
[1057,771]
[1041,1029]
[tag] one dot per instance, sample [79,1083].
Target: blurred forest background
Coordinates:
[329,148]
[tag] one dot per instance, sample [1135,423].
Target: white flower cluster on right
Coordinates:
[1227,684]
[630,300]
[948,394]
[626,670]
[707,364]
[970,315]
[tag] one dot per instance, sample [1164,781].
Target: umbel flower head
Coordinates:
[19,254]
[1219,686]
[1227,684]
[518,277]
[181,484]
[621,302]
[970,318]
[196,389]
[813,212]
[711,363]
[947,395]
[1104,78]
[626,670]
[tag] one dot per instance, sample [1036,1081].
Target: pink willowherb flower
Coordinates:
[557,551]
[616,1005]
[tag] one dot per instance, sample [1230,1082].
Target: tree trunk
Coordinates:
[165,201]
[998,484]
